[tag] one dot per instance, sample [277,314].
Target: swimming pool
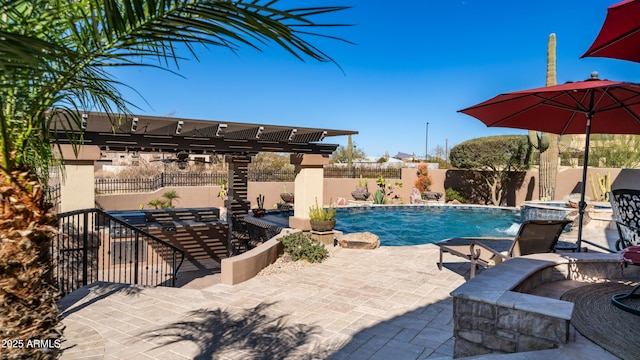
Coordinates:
[413,225]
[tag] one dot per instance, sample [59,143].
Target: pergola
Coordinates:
[170,134]
[239,142]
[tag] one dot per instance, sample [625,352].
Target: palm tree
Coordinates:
[54,61]
[156,203]
[170,196]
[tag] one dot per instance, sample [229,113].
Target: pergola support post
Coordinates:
[237,185]
[238,180]
[309,187]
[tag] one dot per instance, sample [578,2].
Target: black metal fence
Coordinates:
[53,195]
[364,172]
[277,176]
[94,246]
[112,186]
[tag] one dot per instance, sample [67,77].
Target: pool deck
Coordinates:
[388,303]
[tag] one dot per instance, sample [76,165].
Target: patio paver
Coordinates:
[391,302]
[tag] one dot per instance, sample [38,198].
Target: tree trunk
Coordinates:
[496,193]
[28,309]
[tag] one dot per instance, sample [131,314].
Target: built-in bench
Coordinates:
[493,312]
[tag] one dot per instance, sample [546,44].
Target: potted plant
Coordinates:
[287,197]
[322,219]
[361,192]
[259,211]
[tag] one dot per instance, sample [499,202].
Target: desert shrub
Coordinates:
[302,247]
[383,194]
[453,194]
[423,182]
[496,159]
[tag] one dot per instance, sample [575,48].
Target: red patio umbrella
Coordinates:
[619,37]
[583,107]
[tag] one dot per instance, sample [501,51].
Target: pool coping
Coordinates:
[396,206]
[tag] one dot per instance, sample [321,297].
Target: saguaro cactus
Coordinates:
[546,143]
[604,185]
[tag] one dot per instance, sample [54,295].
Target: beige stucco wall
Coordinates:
[78,183]
[190,196]
[77,187]
[270,190]
[570,179]
[243,267]
[206,196]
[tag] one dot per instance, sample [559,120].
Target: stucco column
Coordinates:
[77,185]
[309,186]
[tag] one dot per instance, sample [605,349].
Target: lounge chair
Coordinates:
[534,236]
[625,204]
[462,246]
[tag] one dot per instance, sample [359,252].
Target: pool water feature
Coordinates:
[598,215]
[414,225]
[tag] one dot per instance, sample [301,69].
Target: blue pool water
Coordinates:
[413,225]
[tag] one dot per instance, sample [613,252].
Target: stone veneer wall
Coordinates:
[493,314]
[530,211]
[482,328]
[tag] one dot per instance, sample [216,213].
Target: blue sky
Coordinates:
[413,62]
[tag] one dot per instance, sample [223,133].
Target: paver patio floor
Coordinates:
[388,303]
[391,302]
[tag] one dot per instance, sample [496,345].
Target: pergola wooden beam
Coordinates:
[166,134]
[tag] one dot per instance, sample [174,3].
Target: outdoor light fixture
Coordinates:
[134,124]
[293,133]
[260,130]
[221,129]
[179,127]
[85,120]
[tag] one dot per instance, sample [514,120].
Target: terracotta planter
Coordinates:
[287,197]
[360,195]
[324,225]
[258,212]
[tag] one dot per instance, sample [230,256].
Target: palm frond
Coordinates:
[56,54]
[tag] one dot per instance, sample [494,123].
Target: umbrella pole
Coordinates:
[582,205]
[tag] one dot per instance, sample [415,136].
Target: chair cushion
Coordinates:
[631,255]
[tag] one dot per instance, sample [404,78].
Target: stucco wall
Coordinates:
[205,196]
[190,196]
